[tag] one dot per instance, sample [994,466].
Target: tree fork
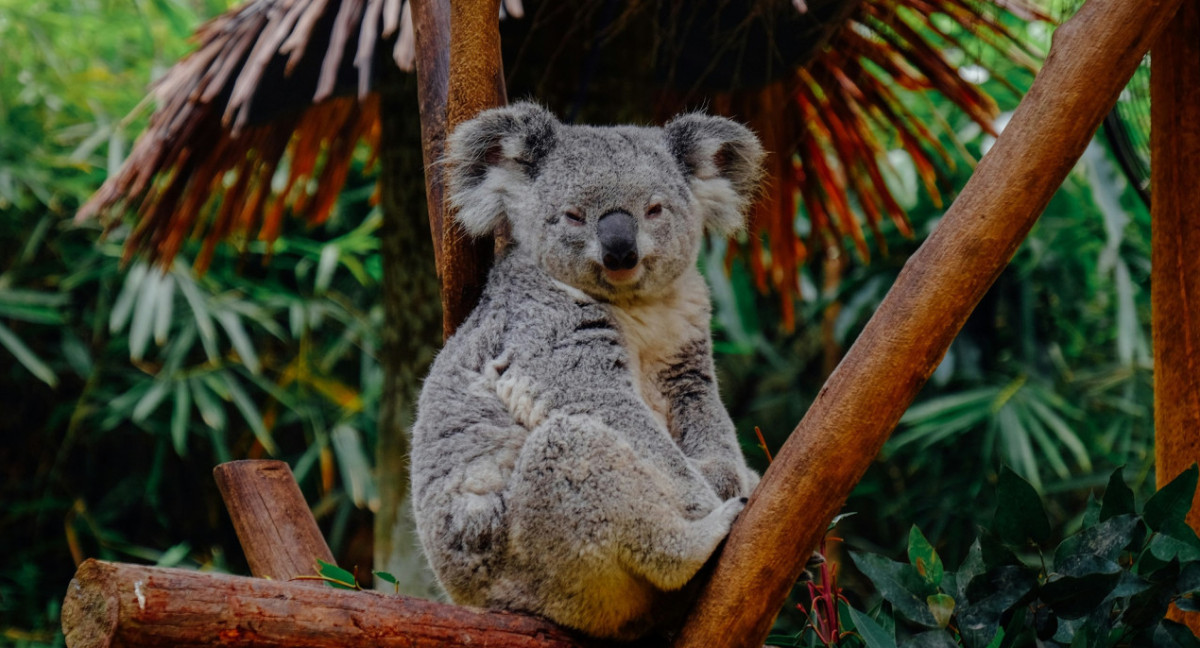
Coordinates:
[903,343]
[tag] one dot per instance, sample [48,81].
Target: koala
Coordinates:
[571,456]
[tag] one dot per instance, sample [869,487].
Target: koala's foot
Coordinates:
[680,549]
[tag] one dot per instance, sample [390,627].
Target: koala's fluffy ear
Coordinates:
[723,160]
[493,154]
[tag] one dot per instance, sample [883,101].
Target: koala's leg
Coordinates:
[581,491]
[699,420]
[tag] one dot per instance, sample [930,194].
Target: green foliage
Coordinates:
[1107,585]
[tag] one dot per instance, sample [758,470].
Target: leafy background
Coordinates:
[123,385]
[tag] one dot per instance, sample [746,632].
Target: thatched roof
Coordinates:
[263,118]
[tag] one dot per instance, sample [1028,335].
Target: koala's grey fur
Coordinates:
[571,457]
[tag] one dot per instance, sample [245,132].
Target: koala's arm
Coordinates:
[464,446]
[699,421]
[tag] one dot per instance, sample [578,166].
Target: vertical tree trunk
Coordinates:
[412,310]
[476,83]
[906,339]
[1175,241]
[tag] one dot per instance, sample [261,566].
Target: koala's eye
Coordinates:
[654,211]
[574,217]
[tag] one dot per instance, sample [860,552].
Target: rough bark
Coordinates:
[476,83]
[135,606]
[431,29]
[909,334]
[274,525]
[1175,240]
[412,310]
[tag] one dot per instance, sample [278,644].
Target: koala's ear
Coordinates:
[723,161]
[495,153]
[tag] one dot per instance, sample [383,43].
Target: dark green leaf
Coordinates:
[971,567]
[1118,498]
[899,584]
[932,639]
[1105,540]
[1171,502]
[1188,603]
[1170,634]
[1175,540]
[988,597]
[1083,583]
[1189,579]
[924,558]
[1020,517]
[873,635]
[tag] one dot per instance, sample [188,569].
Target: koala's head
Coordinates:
[617,212]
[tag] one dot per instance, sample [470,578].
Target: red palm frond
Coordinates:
[261,121]
[850,115]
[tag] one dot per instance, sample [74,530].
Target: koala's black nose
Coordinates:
[617,231]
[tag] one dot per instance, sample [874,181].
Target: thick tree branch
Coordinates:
[273,522]
[1175,240]
[1092,58]
[135,606]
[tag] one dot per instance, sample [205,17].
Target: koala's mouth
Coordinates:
[623,277]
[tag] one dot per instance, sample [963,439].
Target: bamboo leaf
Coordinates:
[250,413]
[240,340]
[27,357]
[179,417]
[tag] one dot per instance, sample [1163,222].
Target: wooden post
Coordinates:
[465,38]
[431,30]
[273,522]
[1175,243]
[903,343]
[135,606]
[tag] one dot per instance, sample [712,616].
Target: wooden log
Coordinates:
[1175,264]
[135,606]
[903,343]
[277,530]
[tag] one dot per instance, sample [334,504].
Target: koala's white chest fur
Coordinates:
[656,331]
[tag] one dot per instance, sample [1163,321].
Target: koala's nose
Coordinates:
[617,231]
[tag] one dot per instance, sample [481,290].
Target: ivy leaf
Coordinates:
[1118,498]
[1020,517]
[1171,502]
[925,559]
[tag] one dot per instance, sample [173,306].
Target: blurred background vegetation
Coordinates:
[123,385]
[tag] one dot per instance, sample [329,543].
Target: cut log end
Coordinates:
[90,609]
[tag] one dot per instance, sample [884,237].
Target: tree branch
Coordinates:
[1175,240]
[909,334]
[135,606]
